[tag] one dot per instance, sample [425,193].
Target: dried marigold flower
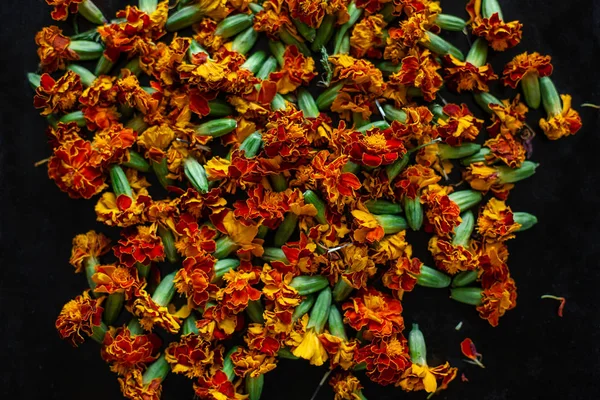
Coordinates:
[450,258]
[58,96]
[133,386]
[297,70]
[377,313]
[568,122]
[422,377]
[53,49]
[193,356]
[386,359]
[251,363]
[346,387]
[524,64]
[420,69]
[88,245]
[496,222]
[464,76]
[460,126]
[141,245]
[497,299]
[80,315]
[124,351]
[367,36]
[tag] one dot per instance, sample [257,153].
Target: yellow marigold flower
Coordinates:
[422,377]
[156,140]
[346,387]
[367,35]
[88,245]
[568,122]
[151,314]
[369,229]
[252,363]
[311,349]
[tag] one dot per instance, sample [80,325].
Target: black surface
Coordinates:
[532,354]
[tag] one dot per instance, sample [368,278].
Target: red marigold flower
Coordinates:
[98,103]
[497,299]
[493,257]
[329,173]
[452,258]
[297,70]
[151,314]
[378,313]
[88,245]
[53,49]
[80,315]
[506,148]
[239,173]
[442,213]
[262,205]
[371,6]
[238,290]
[112,144]
[62,133]
[58,96]
[483,177]
[368,229]
[123,210]
[73,170]
[495,222]
[216,386]
[402,275]
[460,126]
[162,63]
[131,94]
[111,279]
[423,377]
[302,255]
[411,30]
[524,64]
[125,351]
[193,356]
[375,147]
[464,76]
[257,338]
[312,12]
[508,117]
[252,363]
[419,69]
[361,74]
[355,266]
[141,245]
[193,239]
[134,388]
[205,34]
[414,178]
[499,34]
[62,8]
[194,279]
[386,359]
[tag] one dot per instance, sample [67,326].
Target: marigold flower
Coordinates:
[80,315]
[422,377]
[193,239]
[273,18]
[362,74]
[238,291]
[493,257]
[123,210]
[194,279]
[460,126]
[73,170]
[464,76]
[62,8]
[368,229]
[497,299]
[98,103]
[378,313]
[252,363]
[414,178]
[62,133]
[375,147]
[297,70]
[355,266]
[508,116]
[218,387]
[266,206]
[239,173]
[58,96]
[346,387]
[341,352]
[302,255]
[311,348]
[133,387]
[402,275]
[482,177]
[386,359]
[112,144]
[506,148]
[130,93]
[151,314]
[111,279]
[499,34]
[194,357]
[568,122]
[124,351]
[452,258]
[442,213]
[88,245]
[420,69]
[335,182]
[496,223]
[257,338]
[141,245]
[53,49]
[242,235]
[367,36]
[391,248]
[524,64]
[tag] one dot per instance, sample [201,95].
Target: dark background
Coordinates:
[532,354]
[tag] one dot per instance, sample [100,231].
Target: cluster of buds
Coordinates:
[280,215]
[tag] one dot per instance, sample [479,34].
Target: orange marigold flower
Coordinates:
[131,94]
[493,257]
[391,248]
[163,61]
[135,35]
[88,246]
[72,169]
[194,279]
[98,103]
[420,69]
[497,299]
[238,290]
[414,178]
[524,64]
[341,352]
[371,6]
[377,313]
[151,314]
[346,104]
[482,177]
[312,12]
[302,254]
[411,30]
[329,173]
[368,229]
[450,258]
[506,148]
[123,210]
[263,205]
[80,315]
[241,234]
[355,266]
[422,377]
[194,357]
[374,148]
[443,215]
[464,76]
[273,18]
[461,125]
[238,173]
[140,245]
[112,144]
[367,36]
[53,49]
[499,34]
[125,351]
[508,116]
[205,34]
[496,223]
[311,348]
[193,239]
[252,363]
[257,338]
[402,275]
[62,133]
[62,8]
[156,139]
[58,96]
[216,387]
[297,70]
[568,122]
[134,388]
[111,279]
[386,359]
[346,387]
[362,74]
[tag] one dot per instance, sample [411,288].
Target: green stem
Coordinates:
[165,290]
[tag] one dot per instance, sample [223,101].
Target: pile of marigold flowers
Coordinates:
[296,142]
